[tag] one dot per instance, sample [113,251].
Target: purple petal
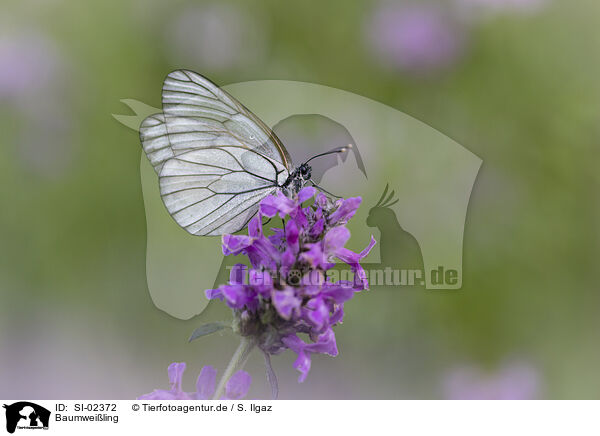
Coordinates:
[212,294]
[285,302]
[294,343]
[317,228]
[205,385]
[268,206]
[291,235]
[314,255]
[312,282]
[255,226]
[350,257]
[360,278]
[321,200]
[279,203]
[277,237]
[288,258]
[346,210]
[234,244]
[368,248]
[302,362]
[262,253]
[238,385]
[337,316]
[317,313]
[335,239]
[176,370]
[306,193]
[353,259]
[236,296]
[299,216]
[339,294]
[325,344]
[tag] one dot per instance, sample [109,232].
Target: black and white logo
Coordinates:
[26,415]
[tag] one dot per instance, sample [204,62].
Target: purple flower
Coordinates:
[35,82]
[235,389]
[30,64]
[513,381]
[414,38]
[289,292]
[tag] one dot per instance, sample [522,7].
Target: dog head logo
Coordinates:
[26,415]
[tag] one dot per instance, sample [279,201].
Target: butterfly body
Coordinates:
[297,179]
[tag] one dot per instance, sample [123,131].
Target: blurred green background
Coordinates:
[514,81]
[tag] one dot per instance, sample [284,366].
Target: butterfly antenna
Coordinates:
[324,190]
[266,222]
[335,150]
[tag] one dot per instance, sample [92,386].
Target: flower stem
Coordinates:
[237,362]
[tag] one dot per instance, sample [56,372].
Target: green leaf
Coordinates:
[208,329]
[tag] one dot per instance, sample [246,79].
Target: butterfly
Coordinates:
[214,158]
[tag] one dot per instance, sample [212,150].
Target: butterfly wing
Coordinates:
[215,159]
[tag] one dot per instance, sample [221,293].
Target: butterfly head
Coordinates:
[305,171]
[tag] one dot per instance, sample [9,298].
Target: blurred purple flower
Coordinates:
[32,82]
[513,381]
[235,389]
[29,63]
[214,36]
[288,292]
[416,38]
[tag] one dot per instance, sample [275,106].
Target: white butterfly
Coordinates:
[215,159]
